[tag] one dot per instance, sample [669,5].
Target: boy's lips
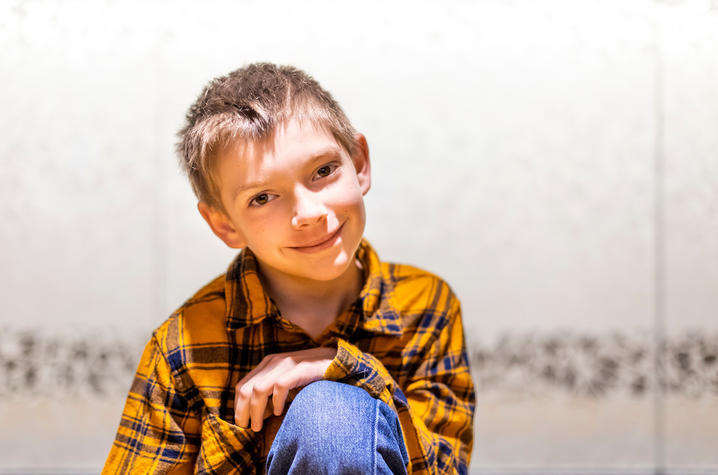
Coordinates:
[323,243]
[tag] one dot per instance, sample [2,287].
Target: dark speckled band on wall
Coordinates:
[593,365]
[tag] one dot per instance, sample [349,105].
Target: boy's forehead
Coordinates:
[245,161]
[291,139]
[300,129]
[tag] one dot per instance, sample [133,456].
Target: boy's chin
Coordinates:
[332,271]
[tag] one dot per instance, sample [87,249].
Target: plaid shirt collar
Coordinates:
[248,303]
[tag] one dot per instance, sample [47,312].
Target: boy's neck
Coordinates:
[313,305]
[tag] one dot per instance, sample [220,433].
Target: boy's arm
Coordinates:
[436,407]
[158,433]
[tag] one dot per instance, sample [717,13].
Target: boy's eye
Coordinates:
[326,170]
[260,199]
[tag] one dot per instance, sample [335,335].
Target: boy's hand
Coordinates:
[274,377]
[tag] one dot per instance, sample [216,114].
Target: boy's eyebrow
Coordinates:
[248,186]
[324,153]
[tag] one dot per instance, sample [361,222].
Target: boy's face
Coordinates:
[296,200]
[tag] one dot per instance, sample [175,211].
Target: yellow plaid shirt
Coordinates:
[402,341]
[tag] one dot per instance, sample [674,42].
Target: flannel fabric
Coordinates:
[402,341]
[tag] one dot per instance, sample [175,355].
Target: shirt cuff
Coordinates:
[353,366]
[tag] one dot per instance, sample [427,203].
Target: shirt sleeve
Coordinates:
[435,407]
[158,432]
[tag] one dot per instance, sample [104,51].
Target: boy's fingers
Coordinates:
[279,397]
[244,390]
[273,378]
[241,417]
[236,401]
[257,405]
[241,406]
[254,371]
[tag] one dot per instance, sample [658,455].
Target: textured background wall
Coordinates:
[555,161]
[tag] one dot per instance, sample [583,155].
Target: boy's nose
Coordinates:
[308,209]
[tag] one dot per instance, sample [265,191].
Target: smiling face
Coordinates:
[296,200]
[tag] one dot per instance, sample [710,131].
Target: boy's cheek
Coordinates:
[345,197]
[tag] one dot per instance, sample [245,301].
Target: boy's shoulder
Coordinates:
[200,319]
[412,290]
[416,304]
[401,274]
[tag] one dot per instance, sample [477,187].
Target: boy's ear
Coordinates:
[362,164]
[221,226]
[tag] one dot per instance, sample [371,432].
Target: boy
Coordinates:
[309,354]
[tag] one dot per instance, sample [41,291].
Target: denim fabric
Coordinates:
[335,428]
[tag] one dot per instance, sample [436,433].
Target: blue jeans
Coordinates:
[335,428]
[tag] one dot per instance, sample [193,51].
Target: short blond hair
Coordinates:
[247,105]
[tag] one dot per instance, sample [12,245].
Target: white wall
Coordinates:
[555,161]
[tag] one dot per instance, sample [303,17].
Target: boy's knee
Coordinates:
[329,392]
[331,408]
[339,428]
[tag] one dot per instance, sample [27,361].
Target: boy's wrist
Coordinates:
[328,352]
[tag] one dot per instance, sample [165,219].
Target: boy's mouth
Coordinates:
[324,243]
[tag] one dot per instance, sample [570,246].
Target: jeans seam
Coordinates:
[376,435]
